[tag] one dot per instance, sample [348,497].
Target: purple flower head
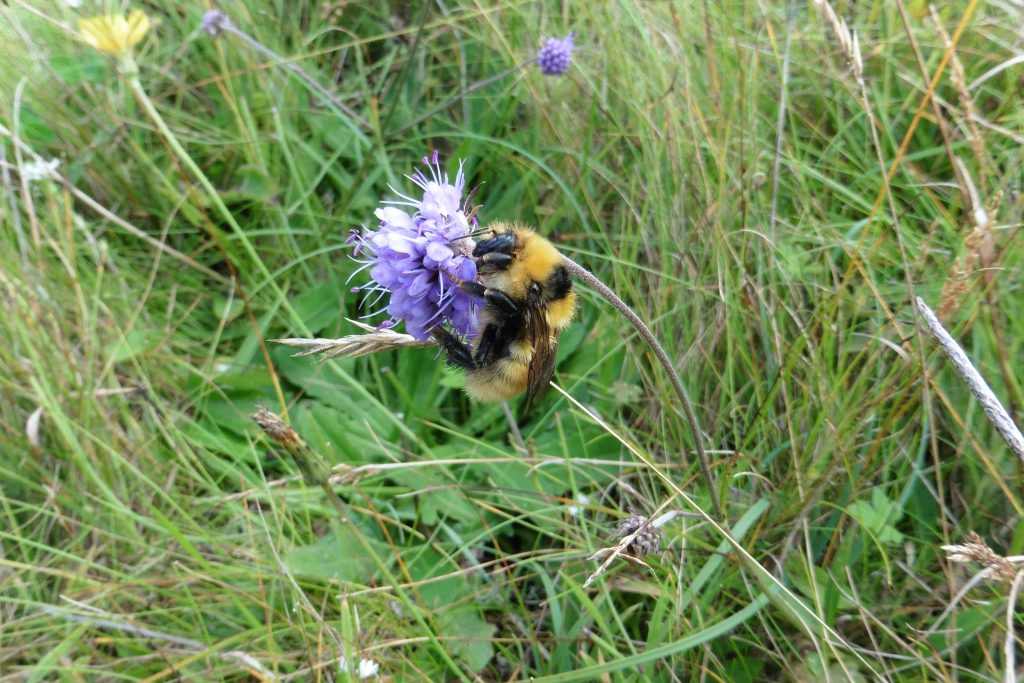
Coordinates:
[556,55]
[416,259]
[214,22]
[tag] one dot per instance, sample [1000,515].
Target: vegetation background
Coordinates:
[766,192]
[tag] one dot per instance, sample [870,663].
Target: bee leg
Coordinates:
[496,299]
[486,342]
[503,244]
[496,260]
[458,354]
[474,288]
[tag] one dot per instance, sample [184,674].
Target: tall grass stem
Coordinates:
[594,283]
[975,382]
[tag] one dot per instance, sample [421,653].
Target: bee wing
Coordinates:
[542,365]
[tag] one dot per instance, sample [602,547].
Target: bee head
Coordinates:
[535,293]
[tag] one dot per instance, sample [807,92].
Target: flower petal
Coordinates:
[137,26]
[113,33]
[466,269]
[393,217]
[400,243]
[420,284]
[439,251]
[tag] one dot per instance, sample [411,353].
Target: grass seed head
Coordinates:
[974,549]
[646,542]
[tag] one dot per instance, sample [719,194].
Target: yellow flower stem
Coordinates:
[131,73]
[129,68]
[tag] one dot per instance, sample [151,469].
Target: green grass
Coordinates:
[149,530]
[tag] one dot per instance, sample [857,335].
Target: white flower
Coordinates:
[35,171]
[367,667]
[574,510]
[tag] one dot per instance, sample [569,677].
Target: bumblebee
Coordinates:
[527,302]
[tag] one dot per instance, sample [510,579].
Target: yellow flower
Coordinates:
[113,33]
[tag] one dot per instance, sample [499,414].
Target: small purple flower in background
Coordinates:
[416,259]
[556,55]
[214,22]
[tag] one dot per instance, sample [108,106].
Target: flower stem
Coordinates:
[645,333]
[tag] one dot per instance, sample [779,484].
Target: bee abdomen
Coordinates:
[500,381]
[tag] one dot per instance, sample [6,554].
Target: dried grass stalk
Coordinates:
[979,251]
[99,620]
[611,297]
[847,39]
[355,345]
[976,383]
[314,471]
[959,80]
[979,244]
[974,549]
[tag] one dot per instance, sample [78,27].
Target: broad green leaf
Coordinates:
[337,557]
[469,633]
[134,343]
[424,564]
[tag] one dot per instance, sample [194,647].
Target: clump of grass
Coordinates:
[149,526]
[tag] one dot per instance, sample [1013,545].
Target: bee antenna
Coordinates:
[469,235]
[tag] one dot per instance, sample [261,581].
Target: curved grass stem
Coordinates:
[659,352]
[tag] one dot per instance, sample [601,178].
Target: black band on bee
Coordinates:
[558,284]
